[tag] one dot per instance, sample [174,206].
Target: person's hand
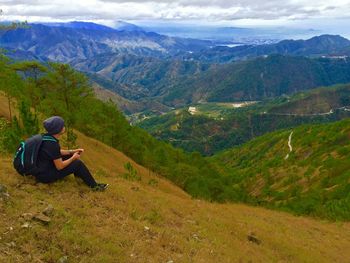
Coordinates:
[76,156]
[80,150]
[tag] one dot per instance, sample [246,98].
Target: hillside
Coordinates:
[125,105]
[217,126]
[177,83]
[136,77]
[259,78]
[150,222]
[304,170]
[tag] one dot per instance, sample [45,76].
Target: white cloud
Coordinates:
[209,10]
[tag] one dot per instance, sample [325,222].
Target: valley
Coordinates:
[217,126]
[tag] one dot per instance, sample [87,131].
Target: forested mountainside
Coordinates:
[259,78]
[304,170]
[212,127]
[178,83]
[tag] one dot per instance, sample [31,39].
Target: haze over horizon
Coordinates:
[321,16]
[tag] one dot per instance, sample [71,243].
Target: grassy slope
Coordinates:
[314,179]
[110,226]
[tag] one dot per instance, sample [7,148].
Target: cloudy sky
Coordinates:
[307,13]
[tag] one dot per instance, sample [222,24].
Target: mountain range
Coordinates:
[324,45]
[63,43]
[119,26]
[148,67]
[230,34]
[259,78]
[176,82]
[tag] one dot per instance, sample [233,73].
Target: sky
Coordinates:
[319,14]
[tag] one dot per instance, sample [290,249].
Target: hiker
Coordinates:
[55,163]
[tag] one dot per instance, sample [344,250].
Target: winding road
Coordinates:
[289,145]
[345,108]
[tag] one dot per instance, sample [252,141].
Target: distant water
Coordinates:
[231,45]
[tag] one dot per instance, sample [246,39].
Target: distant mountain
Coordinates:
[79,40]
[324,45]
[246,35]
[136,77]
[79,25]
[119,25]
[20,55]
[177,83]
[124,26]
[257,79]
[147,66]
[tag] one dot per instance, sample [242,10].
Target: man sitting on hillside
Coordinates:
[54,163]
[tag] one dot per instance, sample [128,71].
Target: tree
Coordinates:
[32,72]
[66,90]
[20,128]
[10,82]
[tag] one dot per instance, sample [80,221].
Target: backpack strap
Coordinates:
[49,138]
[19,149]
[22,155]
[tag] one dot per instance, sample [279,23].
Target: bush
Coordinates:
[132,173]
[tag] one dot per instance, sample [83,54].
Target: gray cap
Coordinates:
[54,124]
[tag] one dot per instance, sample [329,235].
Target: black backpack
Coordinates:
[25,160]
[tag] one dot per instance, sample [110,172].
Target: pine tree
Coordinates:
[66,90]
[10,82]
[32,72]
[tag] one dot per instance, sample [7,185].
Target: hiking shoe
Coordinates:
[100,187]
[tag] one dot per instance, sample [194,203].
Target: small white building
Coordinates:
[192,110]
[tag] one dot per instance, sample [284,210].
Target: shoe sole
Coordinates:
[101,189]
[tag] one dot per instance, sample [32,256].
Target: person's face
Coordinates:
[62,131]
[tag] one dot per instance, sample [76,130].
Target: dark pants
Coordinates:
[77,167]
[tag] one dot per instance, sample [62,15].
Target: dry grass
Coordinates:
[110,226]
[4,108]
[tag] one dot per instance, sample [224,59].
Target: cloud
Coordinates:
[211,10]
